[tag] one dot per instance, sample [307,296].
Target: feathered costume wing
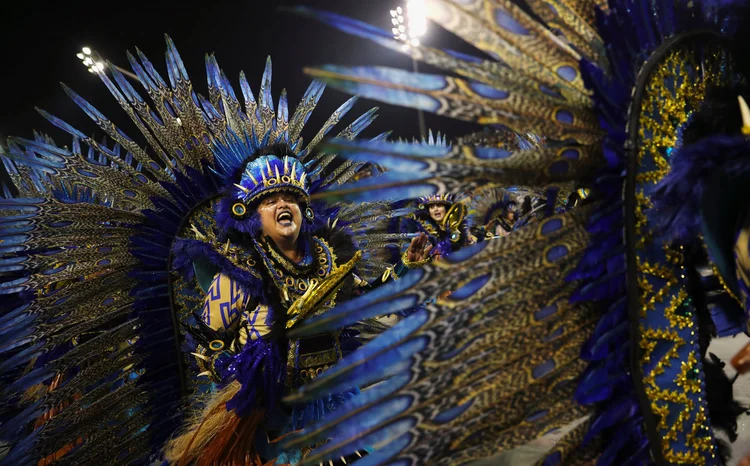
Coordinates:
[585,313]
[91,314]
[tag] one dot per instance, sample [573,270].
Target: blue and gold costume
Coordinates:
[256,294]
[449,234]
[136,281]
[602,310]
[599,313]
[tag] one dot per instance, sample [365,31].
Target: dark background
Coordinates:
[40,41]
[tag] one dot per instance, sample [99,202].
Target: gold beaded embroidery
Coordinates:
[674,90]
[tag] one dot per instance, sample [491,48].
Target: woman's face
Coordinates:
[280,217]
[510,215]
[437,212]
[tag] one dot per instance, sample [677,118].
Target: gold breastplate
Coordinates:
[306,357]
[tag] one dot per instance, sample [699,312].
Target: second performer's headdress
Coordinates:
[445,199]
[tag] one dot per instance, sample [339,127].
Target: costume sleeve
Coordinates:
[254,324]
[228,307]
[224,303]
[230,311]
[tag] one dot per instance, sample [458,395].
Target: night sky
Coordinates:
[40,41]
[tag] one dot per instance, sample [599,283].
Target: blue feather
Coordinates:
[61,124]
[334,76]
[265,97]
[365,398]
[149,67]
[386,435]
[356,368]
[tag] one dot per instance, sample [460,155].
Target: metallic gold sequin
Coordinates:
[674,90]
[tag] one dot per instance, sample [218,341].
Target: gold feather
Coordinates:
[243,189]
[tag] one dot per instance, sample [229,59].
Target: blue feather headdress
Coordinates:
[445,199]
[269,173]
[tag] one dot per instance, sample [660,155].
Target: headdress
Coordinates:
[269,173]
[426,201]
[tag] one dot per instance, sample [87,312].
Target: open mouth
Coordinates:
[285,218]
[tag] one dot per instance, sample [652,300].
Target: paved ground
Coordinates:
[724,348]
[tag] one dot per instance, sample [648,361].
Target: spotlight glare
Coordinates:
[410,22]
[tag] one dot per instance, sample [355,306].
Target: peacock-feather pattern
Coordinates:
[91,315]
[585,313]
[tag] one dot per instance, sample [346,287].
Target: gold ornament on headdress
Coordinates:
[745,110]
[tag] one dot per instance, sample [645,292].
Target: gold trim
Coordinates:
[216,345]
[240,205]
[318,295]
[724,284]
[413,265]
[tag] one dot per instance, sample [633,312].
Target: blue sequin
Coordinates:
[556,253]
[551,226]
[507,22]
[488,91]
[564,116]
[543,369]
[568,73]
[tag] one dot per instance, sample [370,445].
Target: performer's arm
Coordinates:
[234,316]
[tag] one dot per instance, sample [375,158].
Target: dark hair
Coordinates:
[424,214]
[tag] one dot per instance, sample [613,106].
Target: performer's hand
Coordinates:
[419,249]
[445,294]
[744,461]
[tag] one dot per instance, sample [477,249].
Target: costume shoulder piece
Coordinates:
[92,313]
[592,314]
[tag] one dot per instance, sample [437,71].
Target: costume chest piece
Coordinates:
[306,357]
[293,280]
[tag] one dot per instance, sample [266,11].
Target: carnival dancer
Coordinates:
[443,218]
[121,259]
[276,265]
